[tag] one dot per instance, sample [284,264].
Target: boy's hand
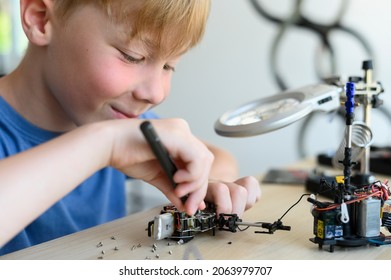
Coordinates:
[132,155]
[192,159]
[234,197]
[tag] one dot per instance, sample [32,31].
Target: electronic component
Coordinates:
[364,207]
[386,214]
[368,217]
[179,226]
[164,226]
[354,216]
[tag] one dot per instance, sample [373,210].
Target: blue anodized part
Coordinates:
[349,104]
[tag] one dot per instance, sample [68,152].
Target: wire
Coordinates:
[278,224]
[376,189]
[297,202]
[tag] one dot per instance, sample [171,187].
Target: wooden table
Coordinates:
[127,238]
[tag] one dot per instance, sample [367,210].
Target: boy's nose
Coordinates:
[153,89]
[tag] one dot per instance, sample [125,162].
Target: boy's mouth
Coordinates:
[122,115]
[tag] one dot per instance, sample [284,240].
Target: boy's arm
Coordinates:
[34,180]
[224,165]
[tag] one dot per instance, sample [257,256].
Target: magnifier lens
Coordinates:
[263,112]
[276,111]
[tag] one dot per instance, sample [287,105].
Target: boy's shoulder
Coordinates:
[16,133]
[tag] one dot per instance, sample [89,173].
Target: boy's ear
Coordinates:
[36,21]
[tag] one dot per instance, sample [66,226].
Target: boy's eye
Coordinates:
[169,67]
[130,58]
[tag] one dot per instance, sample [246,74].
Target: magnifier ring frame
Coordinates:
[273,123]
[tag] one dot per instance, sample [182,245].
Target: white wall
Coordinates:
[231,67]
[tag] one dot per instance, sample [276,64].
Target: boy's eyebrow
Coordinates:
[147,46]
[150,46]
[154,49]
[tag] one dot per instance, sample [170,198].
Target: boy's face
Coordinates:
[95,74]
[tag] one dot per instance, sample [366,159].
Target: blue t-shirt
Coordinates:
[99,199]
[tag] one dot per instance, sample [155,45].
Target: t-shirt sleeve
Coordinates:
[149,115]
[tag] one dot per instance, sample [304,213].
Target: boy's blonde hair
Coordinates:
[174,25]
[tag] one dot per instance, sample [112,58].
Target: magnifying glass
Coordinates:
[277,111]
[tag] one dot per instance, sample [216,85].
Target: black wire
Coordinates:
[242,229]
[297,202]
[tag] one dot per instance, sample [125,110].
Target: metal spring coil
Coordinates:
[362,137]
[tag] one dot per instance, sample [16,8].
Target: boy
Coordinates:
[71,113]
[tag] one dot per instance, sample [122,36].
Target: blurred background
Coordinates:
[257,48]
[243,51]
[12,39]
